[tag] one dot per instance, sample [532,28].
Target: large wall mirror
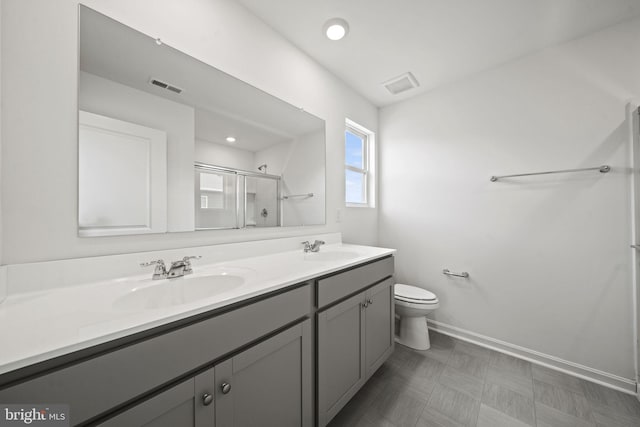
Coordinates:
[168,143]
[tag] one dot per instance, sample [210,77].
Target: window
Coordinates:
[358,162]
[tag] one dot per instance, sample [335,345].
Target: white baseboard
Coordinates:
[625,385]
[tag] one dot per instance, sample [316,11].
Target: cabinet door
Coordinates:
[268,384]
[341,363]
[379,316]
[181,405]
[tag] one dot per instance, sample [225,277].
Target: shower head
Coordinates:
[263,168]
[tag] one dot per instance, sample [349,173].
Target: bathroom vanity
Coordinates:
[291,352]
[355,332]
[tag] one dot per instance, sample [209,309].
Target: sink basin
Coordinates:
[330,256]
[154,294]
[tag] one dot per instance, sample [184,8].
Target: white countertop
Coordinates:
[38,326]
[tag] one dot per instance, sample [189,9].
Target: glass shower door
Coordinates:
[262,205]
[216,199]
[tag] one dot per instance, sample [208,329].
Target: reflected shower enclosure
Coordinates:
[233,198]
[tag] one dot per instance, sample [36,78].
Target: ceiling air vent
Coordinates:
[164,85]
[401,83]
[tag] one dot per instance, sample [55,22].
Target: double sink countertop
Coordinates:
[38,326]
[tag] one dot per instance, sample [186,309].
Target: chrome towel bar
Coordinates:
[450,273]
[292,196]
[602,169]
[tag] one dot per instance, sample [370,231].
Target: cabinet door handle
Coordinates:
[207,399]
[363,305]
[369,302]
[225,387]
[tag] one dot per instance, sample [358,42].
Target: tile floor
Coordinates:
[455,383]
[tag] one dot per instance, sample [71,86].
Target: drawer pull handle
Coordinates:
[207,399]
[225,387]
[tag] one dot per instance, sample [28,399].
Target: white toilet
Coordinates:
[412,306]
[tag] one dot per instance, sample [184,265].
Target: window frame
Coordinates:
[367,171]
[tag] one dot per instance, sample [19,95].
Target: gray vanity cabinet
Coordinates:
[355,336]
[137,372]
[189,403]
[268,384]
[379,337]
[251,364]
[341,364]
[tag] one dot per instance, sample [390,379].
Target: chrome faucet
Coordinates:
[177,269]
[160,272]
[181,268]
[312,247]
[316,245]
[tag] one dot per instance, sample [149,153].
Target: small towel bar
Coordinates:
[293,196]
[450,273]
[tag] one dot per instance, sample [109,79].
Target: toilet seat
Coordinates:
[414,295]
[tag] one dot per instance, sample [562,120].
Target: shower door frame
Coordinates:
[244,173]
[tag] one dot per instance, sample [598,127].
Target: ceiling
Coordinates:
[439,41]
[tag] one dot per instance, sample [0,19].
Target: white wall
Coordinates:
[111,99]
[220,155]
[549,257]
[276,157]
[39,151]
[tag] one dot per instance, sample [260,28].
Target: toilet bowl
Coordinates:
[412,306]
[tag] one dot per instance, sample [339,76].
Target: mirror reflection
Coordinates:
[168,143]
[234,198]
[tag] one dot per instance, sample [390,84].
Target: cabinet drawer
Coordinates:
[336,287]
[96,385]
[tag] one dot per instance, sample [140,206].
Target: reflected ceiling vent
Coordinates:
[164,85]
[401,83]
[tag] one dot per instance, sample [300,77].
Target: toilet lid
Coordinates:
[410,293]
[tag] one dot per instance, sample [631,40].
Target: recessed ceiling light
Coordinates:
[336,28]
[231,139]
